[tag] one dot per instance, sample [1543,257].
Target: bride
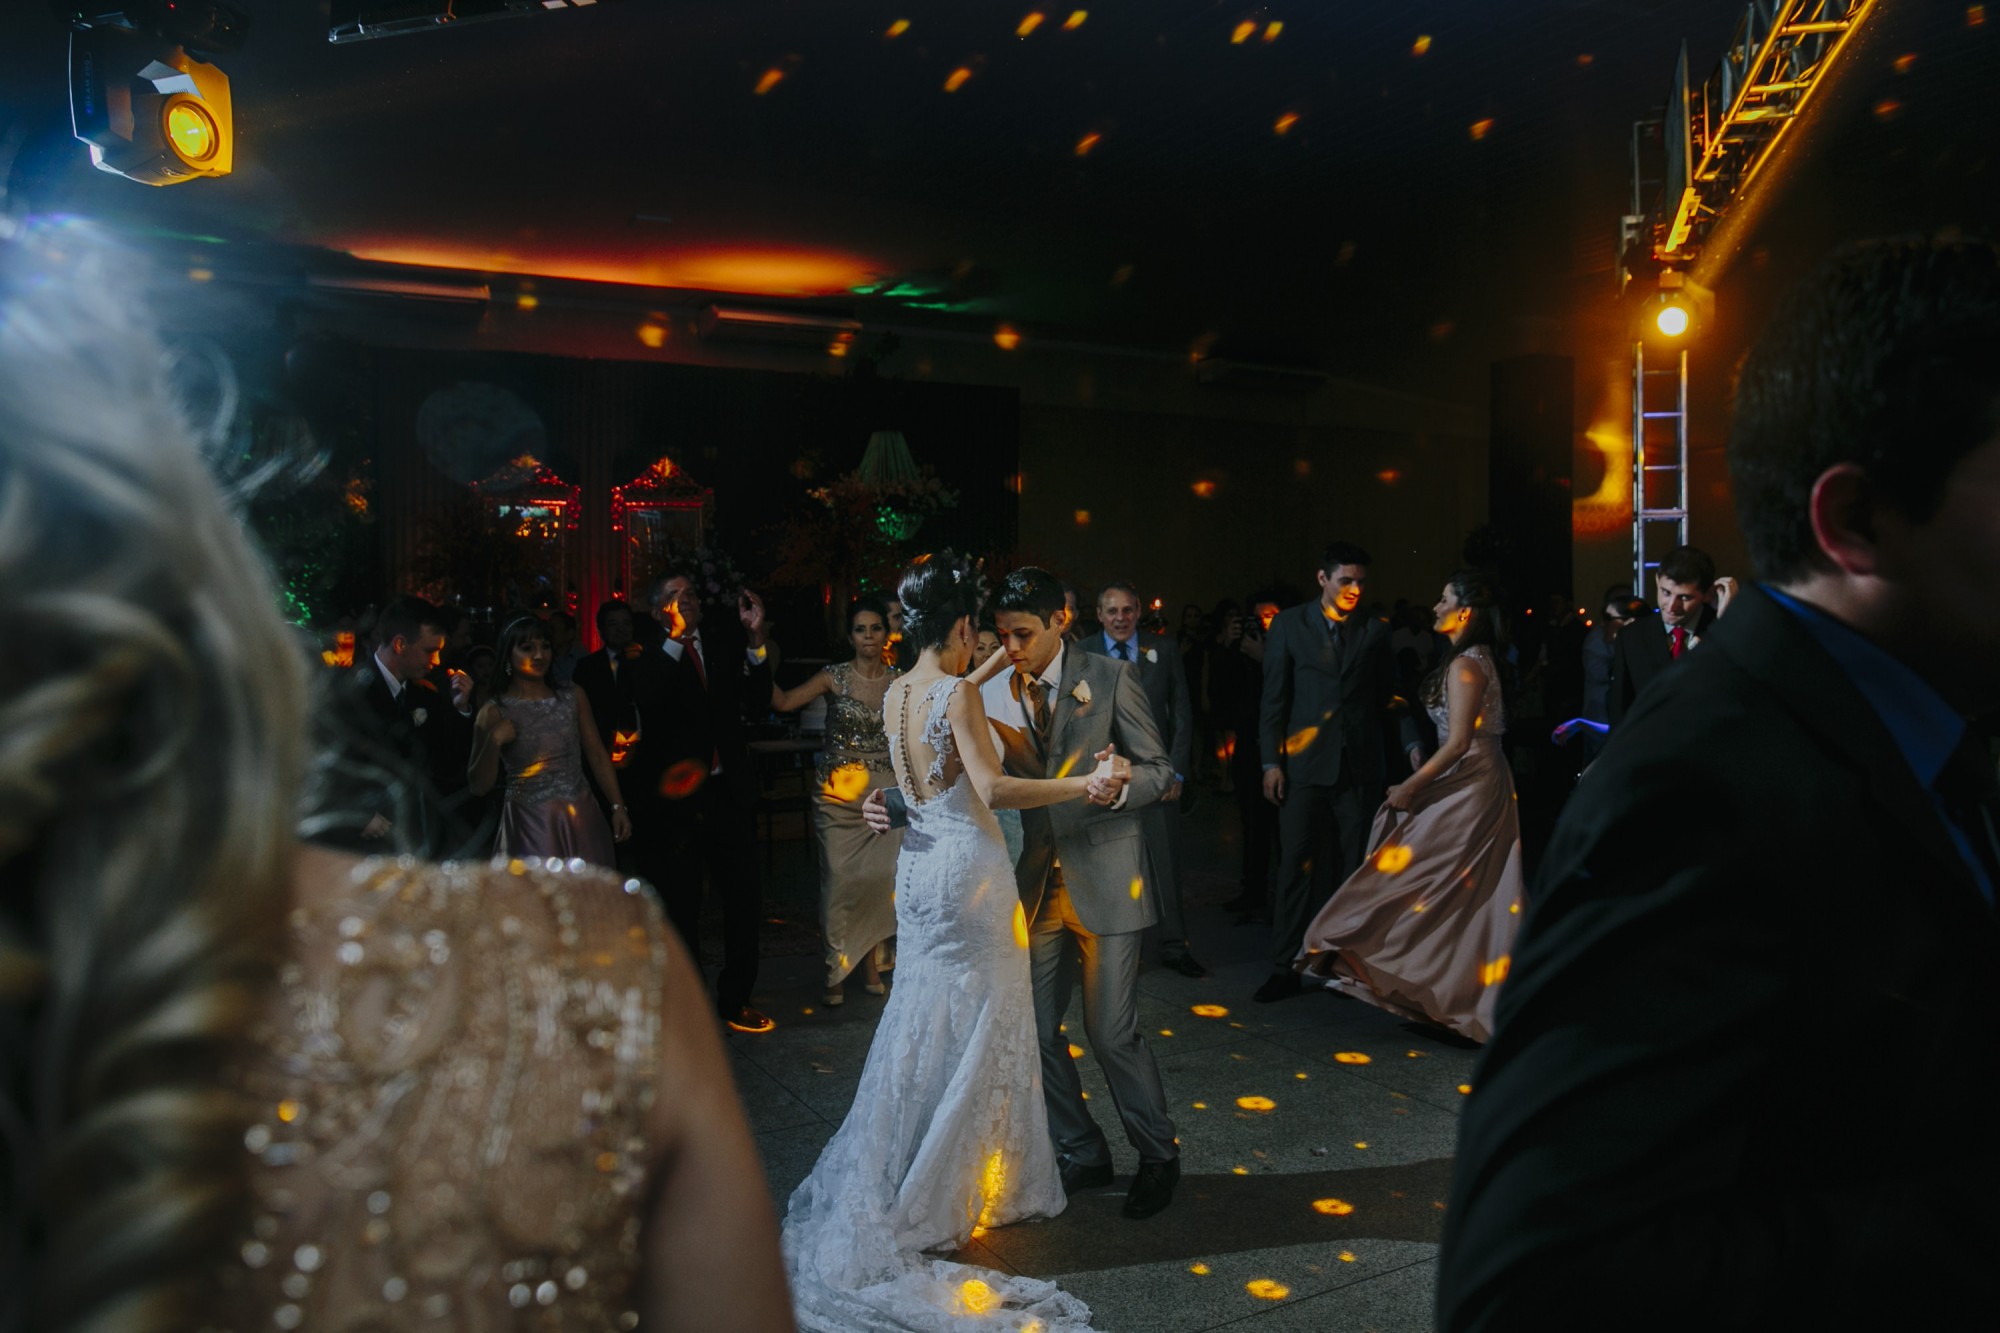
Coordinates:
[947,1132]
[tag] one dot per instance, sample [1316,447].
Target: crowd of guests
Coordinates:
[249,1079]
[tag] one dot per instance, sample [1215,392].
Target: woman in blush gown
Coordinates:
[543,734]
[857,869]
[1425,928]
[948,1131]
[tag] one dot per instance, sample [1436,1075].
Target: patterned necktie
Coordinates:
[1680,635]
[1970,788]
[1036,700]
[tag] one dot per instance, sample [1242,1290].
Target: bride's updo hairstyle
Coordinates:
[152,714]
[935,592]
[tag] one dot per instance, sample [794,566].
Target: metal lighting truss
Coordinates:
[1777,59]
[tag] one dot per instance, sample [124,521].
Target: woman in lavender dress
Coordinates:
[543,735]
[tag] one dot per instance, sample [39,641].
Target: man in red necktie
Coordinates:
[1685,582]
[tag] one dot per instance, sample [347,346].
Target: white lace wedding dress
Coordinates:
[947,1132]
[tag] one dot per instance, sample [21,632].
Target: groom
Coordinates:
[1082,880]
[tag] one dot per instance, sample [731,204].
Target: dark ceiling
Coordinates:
[1389,189]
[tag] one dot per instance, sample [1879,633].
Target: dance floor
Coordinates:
[1316,1133]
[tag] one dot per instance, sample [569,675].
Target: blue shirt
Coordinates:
[1925,728]
[1131,647]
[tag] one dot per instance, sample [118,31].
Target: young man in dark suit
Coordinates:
[693,787]
[1162,675]
[1741,1077]
[1645,649]
[1328,679]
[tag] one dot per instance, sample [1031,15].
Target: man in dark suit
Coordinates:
[693,787]
[605,676]
[1741,1073]
[401,737]
[1645,649]
[1328,679]
[1164,678]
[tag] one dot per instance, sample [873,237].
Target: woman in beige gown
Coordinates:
[857,869]
[274,1086]
[1425,928]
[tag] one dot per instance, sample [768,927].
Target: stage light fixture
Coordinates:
[149,110]
[1671,319]
[1678,311]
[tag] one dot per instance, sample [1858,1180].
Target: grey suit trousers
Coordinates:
[1059,947]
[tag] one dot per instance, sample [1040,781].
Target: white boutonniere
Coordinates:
[1152,654]
[1081,693]
[417,716]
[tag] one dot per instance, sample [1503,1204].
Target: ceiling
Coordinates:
[1394,190]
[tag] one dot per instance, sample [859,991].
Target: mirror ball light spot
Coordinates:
[1301,1076]
[1083,518]
[1465,1089]
[1020,927]
[1394,859]
[1495,972]
[1363,1146]
[772,78]
[1285,122]
[898,28]
[1203,489]
[1388,476]
[1075,20]
[683,780]
[1347,1256]
[1199,1270]
[1257,1103]
[846,783]
[1479,129]
[1006,337]
[1888,109]
[977,1297]
[1087,142]
[1166,1032]
[1351,1058]
[1300,741]
[1138,888]
[1271,31]
[1029,24]
[1239,1170]
[1333,1207]
[1199,1106]
[1264,1289]
[1243,33]
[653,335]
[957,78]
[1209,1011]
[1075,1051]
[1975,16]
[1421,45]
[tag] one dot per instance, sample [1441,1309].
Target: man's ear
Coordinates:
[1843,512]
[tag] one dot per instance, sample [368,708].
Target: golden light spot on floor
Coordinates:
[1208,1011]
[1333,1207]
[1199,1106]
[1465,1088]
[977,1297]
[1199,1270]
[1166,1032]
[1301,1076]
[1075,1051]
[1361,1145]
[1239,1170]
[1264,1289]
[1352,1058]
[1256,1103]
[1347,1256]
[1394,859]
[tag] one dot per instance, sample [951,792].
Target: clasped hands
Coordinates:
[1107,781]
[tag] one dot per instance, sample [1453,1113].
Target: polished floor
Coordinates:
[1316,1133]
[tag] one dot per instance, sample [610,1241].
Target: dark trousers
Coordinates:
[1260,827]
[710,832]
[1322,833]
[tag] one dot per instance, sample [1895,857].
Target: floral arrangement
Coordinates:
[717,578]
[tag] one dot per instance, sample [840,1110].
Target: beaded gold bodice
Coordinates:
[455,1077]
[854,733]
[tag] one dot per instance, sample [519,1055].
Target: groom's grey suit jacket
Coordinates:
[1100,848]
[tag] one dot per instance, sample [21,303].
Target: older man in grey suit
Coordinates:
[1158,661]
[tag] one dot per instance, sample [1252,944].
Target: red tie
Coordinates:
[701,677]
[1680,639]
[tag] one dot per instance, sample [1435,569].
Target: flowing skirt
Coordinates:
[569,827]
[857,879]
[1425,928]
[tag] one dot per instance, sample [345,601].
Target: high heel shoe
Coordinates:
[835,997]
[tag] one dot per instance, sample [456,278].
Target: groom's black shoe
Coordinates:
[1279,986]
[1153,1188]
[1076,1176]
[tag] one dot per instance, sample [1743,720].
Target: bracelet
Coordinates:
[616,805]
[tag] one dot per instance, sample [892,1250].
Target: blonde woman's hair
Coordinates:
[151,736]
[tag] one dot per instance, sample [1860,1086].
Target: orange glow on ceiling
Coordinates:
[1479,129]
[772,77]
[957,79]
[1087,142]
[1421,45]
[1029,24]
[1244,32]
[898,28]
[1075,20]
[1285,122]
[747,269]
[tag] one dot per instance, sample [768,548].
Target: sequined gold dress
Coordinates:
[1425,928]
[455,1075]
[857,868]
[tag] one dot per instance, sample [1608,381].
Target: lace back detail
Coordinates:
[936,736]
